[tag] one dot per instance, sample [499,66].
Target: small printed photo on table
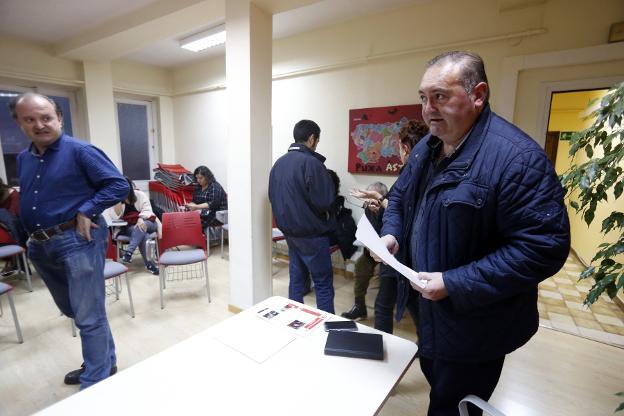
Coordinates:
[270,314]
[296,324]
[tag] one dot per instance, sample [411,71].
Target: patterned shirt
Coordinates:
[216,198]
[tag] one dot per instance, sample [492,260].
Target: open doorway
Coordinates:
[561,296]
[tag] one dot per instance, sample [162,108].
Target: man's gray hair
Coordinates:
[471,66]
[378,187]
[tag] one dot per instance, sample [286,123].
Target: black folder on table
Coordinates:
[354,344]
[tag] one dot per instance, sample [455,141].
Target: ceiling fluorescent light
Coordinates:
[204,40]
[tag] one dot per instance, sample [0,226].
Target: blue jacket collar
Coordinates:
[300,147]
[471,145]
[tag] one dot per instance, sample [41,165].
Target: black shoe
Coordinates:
[356,313]
[126,257]
[153,269]
[73,377]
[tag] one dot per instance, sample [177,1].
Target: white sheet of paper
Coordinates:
[258,342]
[366,234]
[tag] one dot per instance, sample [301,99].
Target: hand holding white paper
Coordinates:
[367,235]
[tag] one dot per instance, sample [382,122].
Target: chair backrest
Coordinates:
[181,229]
[111,250]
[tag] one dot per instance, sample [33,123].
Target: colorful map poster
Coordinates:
[373,138]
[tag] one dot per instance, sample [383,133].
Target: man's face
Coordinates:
[447,108]
[38,120]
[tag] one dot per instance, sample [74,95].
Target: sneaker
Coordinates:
[356,313]
[73,377]
[153,269]
[126,257]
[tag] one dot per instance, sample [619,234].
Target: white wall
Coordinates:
[201,132]
[379,60]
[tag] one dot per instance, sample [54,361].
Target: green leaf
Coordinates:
[574,205]
[589,151]
[617,190]
[588,216]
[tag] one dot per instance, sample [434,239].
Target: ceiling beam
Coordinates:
[126,34]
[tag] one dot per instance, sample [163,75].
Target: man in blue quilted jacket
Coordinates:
[479,213]
[302,194]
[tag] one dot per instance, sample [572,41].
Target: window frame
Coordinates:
[152,131]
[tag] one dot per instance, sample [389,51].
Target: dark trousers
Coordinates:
[452,381]
[310,256]
[386,300]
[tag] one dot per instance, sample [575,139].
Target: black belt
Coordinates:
[45,235]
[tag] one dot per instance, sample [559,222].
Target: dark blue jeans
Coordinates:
[138,238]
[73,270]
[310,255]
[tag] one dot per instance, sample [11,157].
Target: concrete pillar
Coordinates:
[101,111]
[248,80]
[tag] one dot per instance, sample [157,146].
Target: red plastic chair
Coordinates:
[181,229]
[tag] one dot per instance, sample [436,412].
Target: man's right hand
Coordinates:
[391,244]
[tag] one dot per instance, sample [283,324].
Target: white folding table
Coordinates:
[244,376]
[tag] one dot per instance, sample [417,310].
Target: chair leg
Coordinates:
[130,295]
[73,327]
[222,242]
[162,279]
[208,241]
[26,271]
[18,330]
[116,280]
[205,267]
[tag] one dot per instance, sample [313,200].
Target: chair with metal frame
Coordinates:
[222,216]
[19,254]
[478,402]
[181,229]
[7,289]
[114,270]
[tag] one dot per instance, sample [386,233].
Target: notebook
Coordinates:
[354,344]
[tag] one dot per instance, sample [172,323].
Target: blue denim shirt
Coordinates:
[72,176]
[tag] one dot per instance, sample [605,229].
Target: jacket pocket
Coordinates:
[464,222]
[468,194]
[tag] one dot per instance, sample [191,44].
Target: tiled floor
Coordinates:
[561,307]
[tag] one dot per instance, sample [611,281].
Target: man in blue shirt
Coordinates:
[65,184]
[302,194]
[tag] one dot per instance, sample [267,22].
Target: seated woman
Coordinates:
[11,230]
[137,211]
[208,198]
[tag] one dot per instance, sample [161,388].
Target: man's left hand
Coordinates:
[435,289]
[84,225]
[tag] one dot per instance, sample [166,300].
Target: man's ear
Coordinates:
[479,94]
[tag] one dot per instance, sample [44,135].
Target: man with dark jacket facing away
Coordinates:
[301,192]
[479,212]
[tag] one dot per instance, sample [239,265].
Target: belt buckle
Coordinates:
[41,235]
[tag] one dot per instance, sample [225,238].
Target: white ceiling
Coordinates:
[73,27]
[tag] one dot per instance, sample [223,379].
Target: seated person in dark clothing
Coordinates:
[208,198]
